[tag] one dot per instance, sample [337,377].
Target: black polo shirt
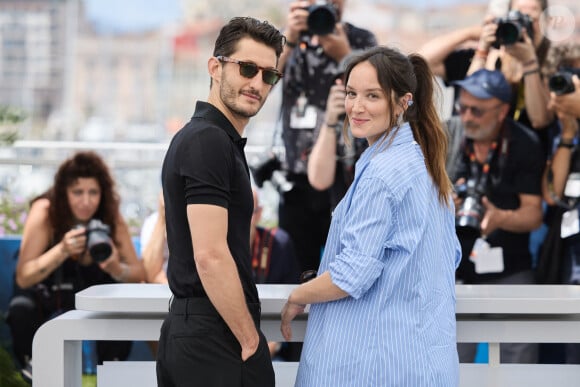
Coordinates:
[205,164]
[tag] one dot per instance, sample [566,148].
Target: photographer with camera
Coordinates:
[74,237]
[559,260]
[499,164]
[335,152]
[317,40]
[515,45]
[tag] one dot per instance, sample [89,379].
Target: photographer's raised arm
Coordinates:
[322,159]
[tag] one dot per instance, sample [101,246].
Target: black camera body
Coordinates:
[509,28]
[561,82]
[321,18]
[268,167]
[99,241]
[470,213]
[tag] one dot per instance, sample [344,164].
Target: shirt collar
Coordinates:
[211,113]
[403,135]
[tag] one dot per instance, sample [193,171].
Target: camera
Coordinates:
[471,211]
[269,168]
[99,241]
[321,18]
[561,82]
[509,28]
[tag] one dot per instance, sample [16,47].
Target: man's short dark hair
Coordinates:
[242,27]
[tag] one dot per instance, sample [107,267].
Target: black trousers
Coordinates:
[196,348]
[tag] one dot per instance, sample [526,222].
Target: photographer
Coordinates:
[333,157]
[559,259]
[54,260]
[499,163]
[311,56]
[520,61]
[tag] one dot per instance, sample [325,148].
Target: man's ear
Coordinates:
[214,68]
[503,111]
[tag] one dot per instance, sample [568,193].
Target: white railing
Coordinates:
[485,313]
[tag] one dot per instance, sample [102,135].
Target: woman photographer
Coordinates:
[54,262]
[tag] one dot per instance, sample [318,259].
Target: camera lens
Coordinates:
[470,214]
[321,19]
[98,240]
[508,33]
[561,83]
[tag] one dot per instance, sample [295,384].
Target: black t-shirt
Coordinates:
[521,174]
[205,164]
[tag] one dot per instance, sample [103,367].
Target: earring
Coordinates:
[409,103]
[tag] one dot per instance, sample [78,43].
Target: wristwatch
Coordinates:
[566,143]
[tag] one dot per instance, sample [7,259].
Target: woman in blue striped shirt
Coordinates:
[383,304]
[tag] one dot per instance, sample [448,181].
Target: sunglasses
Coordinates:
[477,112]
[249,70]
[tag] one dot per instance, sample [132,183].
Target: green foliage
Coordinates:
[9,117]
[9,375]
[13,213]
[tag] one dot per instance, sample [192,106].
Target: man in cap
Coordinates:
[497,169]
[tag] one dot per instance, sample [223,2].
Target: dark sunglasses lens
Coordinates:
[248,70]
[270,77]
[475,111]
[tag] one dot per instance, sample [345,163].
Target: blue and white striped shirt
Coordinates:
[392,247]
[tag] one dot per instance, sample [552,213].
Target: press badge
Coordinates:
[572,189]
[302,115]
[485,258]
[570,223]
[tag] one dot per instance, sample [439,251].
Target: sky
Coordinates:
[131,15]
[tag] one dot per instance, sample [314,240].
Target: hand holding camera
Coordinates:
[565,92]
[513,28]
[74,242]
[335,111]
[315,19]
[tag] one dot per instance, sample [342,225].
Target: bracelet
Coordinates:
[291,44]
[565,145]
[335,127]
[529,72]
[482,54]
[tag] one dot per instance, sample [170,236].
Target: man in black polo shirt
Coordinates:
[211,335]
[501,162]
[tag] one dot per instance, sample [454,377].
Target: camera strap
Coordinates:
[481,178]
[262,253]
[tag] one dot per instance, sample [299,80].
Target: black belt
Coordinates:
[202,305]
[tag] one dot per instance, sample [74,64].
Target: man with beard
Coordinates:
[497,171]
[211,336]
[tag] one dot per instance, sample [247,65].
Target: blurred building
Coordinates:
[36,43]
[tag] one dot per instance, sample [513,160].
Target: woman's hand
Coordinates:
[289,312]
[74,242]
[113,265]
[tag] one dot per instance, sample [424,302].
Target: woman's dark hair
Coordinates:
[81,165]
[398,74]
[242,27]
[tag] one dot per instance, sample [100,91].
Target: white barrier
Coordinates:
[485,313]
